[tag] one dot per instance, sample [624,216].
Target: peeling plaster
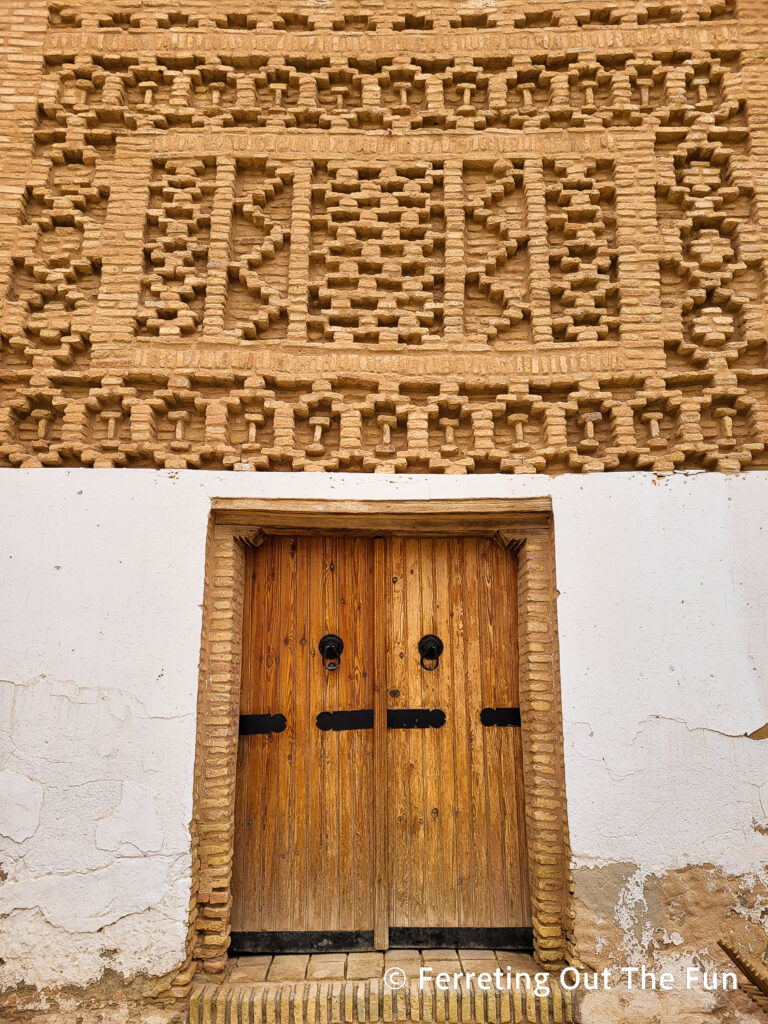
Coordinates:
[109,866]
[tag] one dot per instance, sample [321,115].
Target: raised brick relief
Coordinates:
[106,97]
[176,248]
[257,291]
[527,239]
[376,265]
[57,266]
[496,288]
[305,17]
[583,258]
[713,263]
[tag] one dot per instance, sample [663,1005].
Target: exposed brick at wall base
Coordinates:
[111,1000]
[667,921]
[284,238]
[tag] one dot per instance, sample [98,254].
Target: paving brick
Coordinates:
[365,965]
[289,967]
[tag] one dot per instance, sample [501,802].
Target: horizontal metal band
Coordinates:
[397,718]
[299,942]
[415,718]
[500,716]
[261,725]
[340,721]
[518,939]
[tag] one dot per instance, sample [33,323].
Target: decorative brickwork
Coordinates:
[377,256]
[527,238]
[359,1001]
[522,524]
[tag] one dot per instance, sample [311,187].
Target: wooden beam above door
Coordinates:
[477,516]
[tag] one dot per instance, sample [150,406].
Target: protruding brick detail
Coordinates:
[216,756]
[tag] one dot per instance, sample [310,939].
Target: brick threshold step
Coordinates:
[350,1002]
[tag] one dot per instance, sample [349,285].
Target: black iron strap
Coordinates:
[500,716]
[261,725]
[415,718]
[397,718]
[341,721]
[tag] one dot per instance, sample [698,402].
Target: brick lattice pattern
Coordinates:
[523,236]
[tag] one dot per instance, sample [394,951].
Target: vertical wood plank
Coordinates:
[478,806]
[415,740]
[434,740]
[348,765]
[445,826]
[496,691]
[462,820]
[330,764]
[397,740]
[303,724]
[361,777]
[382,653]
[285,741]
[316,854]
[269,698]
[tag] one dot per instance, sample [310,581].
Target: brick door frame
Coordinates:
[524,525]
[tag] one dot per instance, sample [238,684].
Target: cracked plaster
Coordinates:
[20,802]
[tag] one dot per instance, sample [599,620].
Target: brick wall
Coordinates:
[526,237]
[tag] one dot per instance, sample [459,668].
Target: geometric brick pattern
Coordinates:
[176,249]
[376,266]
[581,229]
[497,277]
[257,288]
[527,239]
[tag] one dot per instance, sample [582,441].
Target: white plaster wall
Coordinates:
[664,665]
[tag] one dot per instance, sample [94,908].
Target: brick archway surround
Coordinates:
[525,525]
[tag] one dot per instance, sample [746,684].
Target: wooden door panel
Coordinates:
[456,825]
[433,836]
[304,829]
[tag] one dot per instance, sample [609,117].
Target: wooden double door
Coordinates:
[380,802]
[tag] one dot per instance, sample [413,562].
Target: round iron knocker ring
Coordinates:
[330,647]
[430,649]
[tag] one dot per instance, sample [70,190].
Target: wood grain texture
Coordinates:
[456,807]
[304,822]
[368,829]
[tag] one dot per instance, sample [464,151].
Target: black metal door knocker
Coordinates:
[330,647]
[430,649]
